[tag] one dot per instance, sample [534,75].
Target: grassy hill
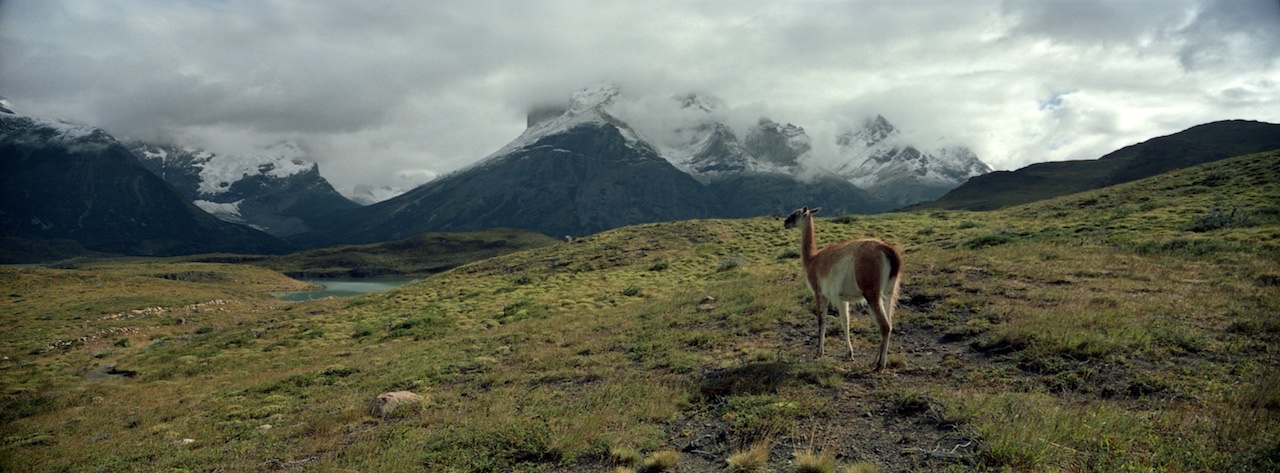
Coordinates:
[1191,147]
[419,255]
[1130,328]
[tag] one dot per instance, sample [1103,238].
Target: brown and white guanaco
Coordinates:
[847,272]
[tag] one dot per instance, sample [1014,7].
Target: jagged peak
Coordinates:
[701,102]
[879,123]
[874,130]
[593,98]
[786,129]
[6,107]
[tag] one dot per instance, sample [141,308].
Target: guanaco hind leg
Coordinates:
[844,321]
[883,318]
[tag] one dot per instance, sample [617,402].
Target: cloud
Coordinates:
[381,89]
[1231,34]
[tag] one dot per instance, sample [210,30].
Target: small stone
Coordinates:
[264,427]
[185,442]
[706,307]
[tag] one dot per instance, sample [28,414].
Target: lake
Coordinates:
[346,287]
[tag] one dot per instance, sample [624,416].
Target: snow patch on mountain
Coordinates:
[219,172]
[875,152]
[225,211]
[589,106]
[63,131]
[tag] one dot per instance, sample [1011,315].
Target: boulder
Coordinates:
[386,403]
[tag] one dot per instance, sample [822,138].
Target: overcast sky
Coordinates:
[394,92]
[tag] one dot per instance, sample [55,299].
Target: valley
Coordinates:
[1127,328]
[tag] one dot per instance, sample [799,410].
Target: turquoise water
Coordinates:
[346,287]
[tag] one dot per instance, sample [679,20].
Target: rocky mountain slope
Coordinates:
[276,190]
[581,172]
[875,158]
[71,188]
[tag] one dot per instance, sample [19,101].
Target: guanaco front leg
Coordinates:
[821,312]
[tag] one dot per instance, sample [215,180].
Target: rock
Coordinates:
[707,304]
[184,442]
[264,427]
[386,403]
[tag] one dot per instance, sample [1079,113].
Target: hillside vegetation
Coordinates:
[419,255]
[1130,328]
[1194,146]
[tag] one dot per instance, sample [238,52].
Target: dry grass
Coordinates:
[811,462]
[753,459]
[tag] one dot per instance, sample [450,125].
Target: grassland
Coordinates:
[419,255]
[1131,328]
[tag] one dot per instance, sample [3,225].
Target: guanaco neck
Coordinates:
[808,245]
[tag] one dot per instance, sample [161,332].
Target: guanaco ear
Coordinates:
[815,210]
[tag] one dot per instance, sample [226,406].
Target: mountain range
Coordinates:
[585,167]
[589,165]
[68,189]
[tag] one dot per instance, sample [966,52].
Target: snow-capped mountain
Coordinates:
[38,130]
[575,170]
[586,107]
[708,149]
[66,189]
[276,190]
[875,158]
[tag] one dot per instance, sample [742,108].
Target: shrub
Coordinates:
[419,327]
[659,266]
[988,240]
[624,455]
[730,263]
[749,460]
[523,309]
[490,448]
[1187,247]
[362,331]
[662,460]
[809,462]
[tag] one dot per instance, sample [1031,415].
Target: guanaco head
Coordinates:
[794,219]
